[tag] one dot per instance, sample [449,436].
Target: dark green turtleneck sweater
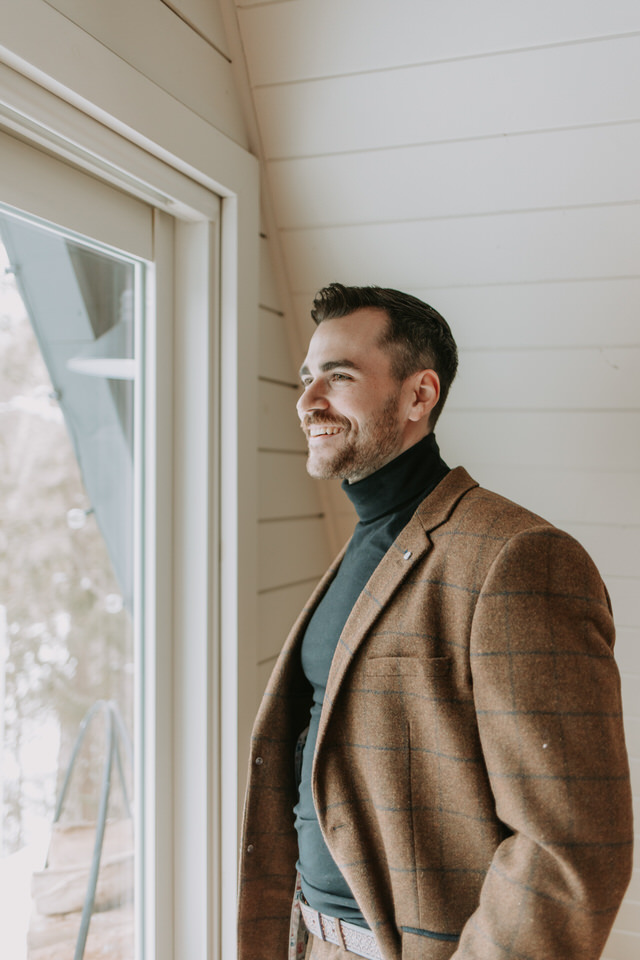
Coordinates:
[385,502]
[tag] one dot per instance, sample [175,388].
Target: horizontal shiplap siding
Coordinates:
[453,100]
[347,190]
[293,550]
[289,41]
[180,46]
[486,162]
[499,248]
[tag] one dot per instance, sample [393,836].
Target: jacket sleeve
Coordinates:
[548,705]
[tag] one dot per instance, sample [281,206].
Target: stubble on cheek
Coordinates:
[357,456]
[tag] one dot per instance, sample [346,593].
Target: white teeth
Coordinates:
[323,431]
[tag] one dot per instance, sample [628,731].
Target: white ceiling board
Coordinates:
[626,646]
[552,169]
[261,3]
[576,496]
[591,313]
[622,944]
[586,313]
[268,292]
[277,612]
[282,39]
[149,36]
[613,547]
[627,916]
[278,424]
[306,326]
[286,489]
[205,16]
[290,551]
[555,245]
[274,360]
[605,379]
[628,636]
[534,90]
[626,613]
[575,440]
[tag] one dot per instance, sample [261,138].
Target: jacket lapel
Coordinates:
[409,548]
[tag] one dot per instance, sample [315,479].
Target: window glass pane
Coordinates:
[68,322]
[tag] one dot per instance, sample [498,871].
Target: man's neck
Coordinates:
[400,480]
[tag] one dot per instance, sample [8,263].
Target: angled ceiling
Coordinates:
[471,153]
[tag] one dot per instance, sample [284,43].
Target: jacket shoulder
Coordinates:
[484,526]
[460,500]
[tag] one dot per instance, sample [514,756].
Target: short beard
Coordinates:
[377,444]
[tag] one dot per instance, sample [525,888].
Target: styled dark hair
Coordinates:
[417,337]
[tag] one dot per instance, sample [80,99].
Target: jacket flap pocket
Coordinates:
[427,944]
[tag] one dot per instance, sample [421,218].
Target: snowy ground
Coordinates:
[15,897]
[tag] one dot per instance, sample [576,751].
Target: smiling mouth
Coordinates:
[323,431]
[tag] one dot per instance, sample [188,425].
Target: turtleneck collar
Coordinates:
[398,482]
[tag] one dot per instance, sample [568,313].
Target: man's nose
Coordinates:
[312,398]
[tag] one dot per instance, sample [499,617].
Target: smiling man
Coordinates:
[438,766]
[357,414]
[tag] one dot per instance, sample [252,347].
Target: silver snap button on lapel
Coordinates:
[407,554]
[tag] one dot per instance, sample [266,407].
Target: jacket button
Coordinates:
[250,848]
[407,554]
[259,760]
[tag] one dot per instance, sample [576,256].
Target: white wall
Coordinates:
[293,549]
[486,161]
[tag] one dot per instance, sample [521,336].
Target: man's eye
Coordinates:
[341,376]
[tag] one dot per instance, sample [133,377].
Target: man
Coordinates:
[461,786]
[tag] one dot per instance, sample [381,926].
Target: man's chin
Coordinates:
[319,471]
[351,468]
[323,469]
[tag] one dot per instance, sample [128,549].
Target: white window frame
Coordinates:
[200,589]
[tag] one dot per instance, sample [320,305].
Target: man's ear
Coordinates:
[425,394]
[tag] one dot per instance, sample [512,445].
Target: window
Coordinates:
[71,316]
[116,627]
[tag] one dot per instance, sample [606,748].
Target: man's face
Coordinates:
[351,407]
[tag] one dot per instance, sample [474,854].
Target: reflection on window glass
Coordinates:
[66,596]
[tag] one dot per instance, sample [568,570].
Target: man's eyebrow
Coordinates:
[331,365]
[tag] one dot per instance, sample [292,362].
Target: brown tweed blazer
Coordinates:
[470,774]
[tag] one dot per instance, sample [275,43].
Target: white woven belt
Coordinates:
[353,938]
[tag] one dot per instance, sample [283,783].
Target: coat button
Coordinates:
[250,848]
[407,554]
[259,760]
